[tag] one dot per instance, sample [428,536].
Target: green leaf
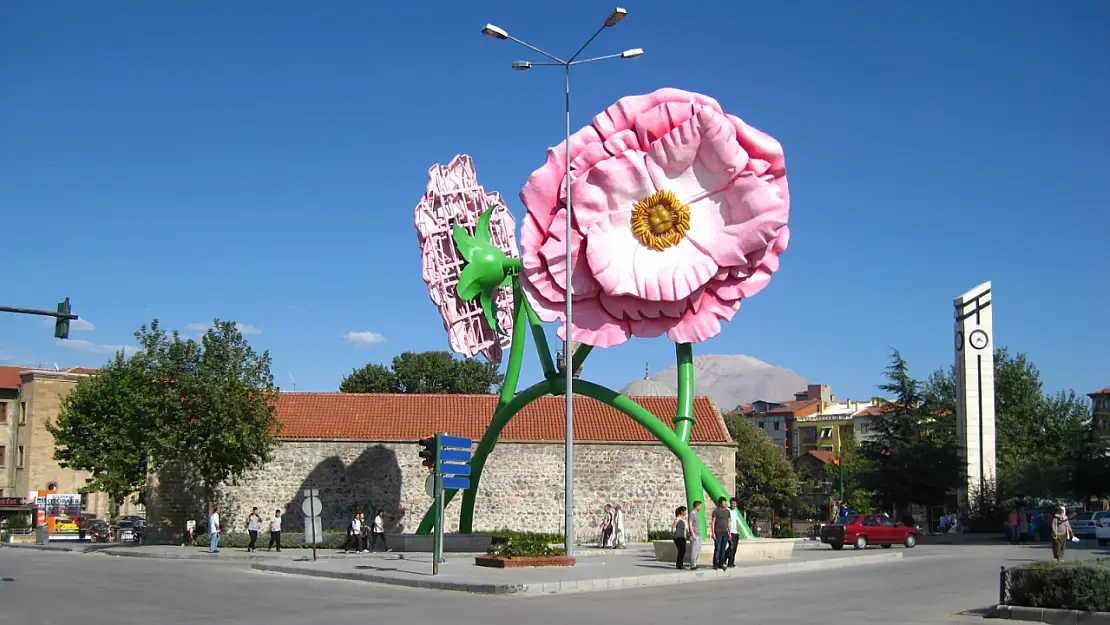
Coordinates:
[469,286]
[481,230]
[488,307]
[467,245]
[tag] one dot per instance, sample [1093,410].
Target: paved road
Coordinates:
[930,585]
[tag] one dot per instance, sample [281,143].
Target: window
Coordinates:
[777,423]
[763,424]
[3,412]
[3,455]
[826,432]
[863,428]
[887,522]
[809,435]
[22,412]
[52,486]
[826,448]
[19,457]
[870,522]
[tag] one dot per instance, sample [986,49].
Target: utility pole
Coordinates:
[63,316]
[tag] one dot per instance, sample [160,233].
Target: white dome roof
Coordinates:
[647,388]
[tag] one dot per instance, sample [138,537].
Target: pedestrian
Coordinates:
[378,532]
[275,531]
[606,526]
[1061,534]
[618,527]
[720,519]
[354,534]
[254,524]
[733,530]
[1022,526]
[695,534]
[214,531]
[679,531]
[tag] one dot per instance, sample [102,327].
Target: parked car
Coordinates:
[861,530]
[1083,524]
[1101,522]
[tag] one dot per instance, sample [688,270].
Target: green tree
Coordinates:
[221,396]
[764,476]
[424,372]
[912,457]
[105,427]
[856,469]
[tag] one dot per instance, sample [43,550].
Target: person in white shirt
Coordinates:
[275,531]
[733,530]
[355,534]
[254,524]
[214,531]
[618,527]
[378,532]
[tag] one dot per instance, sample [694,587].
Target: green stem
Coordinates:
[579,357]
[516,348]
[684,414]
[691,478]
[542,349]
[716,491]
[478,460]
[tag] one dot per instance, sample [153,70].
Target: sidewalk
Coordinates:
[607,571]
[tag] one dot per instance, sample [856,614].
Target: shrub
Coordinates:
[508,544]
[1063,586]
[786,532]
[659,535]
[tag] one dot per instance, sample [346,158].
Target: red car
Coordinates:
[861,530]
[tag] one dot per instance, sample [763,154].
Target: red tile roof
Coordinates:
[1105,391]
[357,416]
[796,408]
[9,376]
[824,456]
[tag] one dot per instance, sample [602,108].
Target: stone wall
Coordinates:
[521,489]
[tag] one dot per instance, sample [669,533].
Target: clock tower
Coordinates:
[975,421]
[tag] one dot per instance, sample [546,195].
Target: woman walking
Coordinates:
[679,532]
[378,532]
[1061,534]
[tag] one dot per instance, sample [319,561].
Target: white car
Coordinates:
[1101,521]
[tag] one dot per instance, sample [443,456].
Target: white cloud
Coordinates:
[96,348]
[245,328]
[75,325]
[363,339]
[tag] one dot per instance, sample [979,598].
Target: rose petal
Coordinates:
[697,158]
[760,145]
[623,266]
[703,321]
[741,220]
[554,254]
[603,198]
[593,326]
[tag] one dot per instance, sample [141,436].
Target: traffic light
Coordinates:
[61,325]
[428,453]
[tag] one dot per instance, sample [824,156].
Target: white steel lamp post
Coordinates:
[494,32]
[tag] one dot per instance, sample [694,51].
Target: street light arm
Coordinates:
[535,49]
[588,42]
[627,54]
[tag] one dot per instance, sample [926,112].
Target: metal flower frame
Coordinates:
[488,269]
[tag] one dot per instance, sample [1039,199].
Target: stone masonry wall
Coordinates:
[521,488]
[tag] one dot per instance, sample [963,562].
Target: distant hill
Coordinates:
[729,380]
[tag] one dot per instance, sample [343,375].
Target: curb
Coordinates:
[44,547]
[1050,615]
[590,585]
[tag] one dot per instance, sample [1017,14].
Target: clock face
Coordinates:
[978,339]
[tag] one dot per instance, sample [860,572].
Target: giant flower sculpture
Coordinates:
[680,212]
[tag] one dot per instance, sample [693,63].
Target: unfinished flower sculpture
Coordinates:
[679,214]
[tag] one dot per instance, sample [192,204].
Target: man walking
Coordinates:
[275,531]
[214,531]
[721,519]
[733,530]
[254,524]
[695,535]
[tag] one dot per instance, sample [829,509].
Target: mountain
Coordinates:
[729,380]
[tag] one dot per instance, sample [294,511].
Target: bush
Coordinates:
[786,532]
[1063,586]
[507,544]
[289,540]
[659,535]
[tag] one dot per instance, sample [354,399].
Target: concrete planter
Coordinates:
[748,550]
[499,562]
[1049,615]
[454,543]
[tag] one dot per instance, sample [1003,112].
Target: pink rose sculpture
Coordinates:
[454,196]
[680,212]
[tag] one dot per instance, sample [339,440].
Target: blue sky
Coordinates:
[259,161]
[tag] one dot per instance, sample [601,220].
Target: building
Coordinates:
[815,421]
[361,452]
[1100,410]
[29,400]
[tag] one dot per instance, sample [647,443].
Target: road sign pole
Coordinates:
[439,509]
[312,511]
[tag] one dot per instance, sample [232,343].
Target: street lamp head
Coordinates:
[633,53]
[521,65]
[615,17]
[494,32]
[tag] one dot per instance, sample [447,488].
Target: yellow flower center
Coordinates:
[660,221]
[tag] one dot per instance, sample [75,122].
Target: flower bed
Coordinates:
[499,562]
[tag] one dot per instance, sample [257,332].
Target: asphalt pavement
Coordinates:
[932,584]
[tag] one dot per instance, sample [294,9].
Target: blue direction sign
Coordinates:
[457,483]
[454,455]
[454,442]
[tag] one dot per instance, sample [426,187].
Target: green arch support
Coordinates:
[697,477]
